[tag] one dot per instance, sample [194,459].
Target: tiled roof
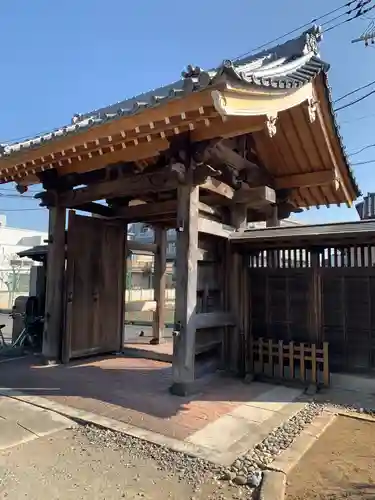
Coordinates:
[289,65]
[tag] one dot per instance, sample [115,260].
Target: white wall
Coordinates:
[14,272]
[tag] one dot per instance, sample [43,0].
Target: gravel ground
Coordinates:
[92,464]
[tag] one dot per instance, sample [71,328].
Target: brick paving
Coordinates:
[131,390]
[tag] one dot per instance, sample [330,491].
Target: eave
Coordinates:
[146,134]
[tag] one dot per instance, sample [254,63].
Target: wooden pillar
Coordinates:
[54,318]
[160,276]
[273,220]
[315,299]
[239,217]
[234,340]
[186,288]
[127,256]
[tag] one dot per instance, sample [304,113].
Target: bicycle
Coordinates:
[30,336]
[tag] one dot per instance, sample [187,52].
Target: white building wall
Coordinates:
[14,271]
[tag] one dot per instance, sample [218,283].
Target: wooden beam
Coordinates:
[337,173]
[186,288]
[97,209]
[144,211]
[138,246]
[207,209]
[53,318]
[141,305]
[214,228]
[206,255]
[160,277]
[255,197]
[141,212]
[217,187]
[218,154]
[230,127]
[214,320]
[310,179]
[130,186]
[130,154]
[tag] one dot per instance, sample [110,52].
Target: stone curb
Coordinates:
[273,485]
[355,415]
[83,417]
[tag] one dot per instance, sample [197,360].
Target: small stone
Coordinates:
[240,480]
[255,479]
[228,475]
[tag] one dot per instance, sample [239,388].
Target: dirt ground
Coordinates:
[341,465]
[68,466]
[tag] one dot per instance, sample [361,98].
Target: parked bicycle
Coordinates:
[29,338]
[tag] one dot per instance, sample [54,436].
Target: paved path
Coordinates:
[21,422]
[224,419]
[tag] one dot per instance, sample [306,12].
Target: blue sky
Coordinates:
[60,58]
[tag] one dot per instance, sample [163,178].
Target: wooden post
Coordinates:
[326,374]
[186,288]
[53,318]
[236,341]
[315,299]
[273,220]
[125,287]
[160,276]
[239,216]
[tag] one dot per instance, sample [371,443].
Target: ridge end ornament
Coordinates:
[271,125]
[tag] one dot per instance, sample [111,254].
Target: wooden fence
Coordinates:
[290,360]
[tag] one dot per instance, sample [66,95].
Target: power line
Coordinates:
[357,119]
[360,4]
[369,146]
[355,101]
[19,209]
[360,13]
[354,91]
[356,164]
[18,196]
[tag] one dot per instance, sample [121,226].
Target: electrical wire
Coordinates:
[305,25]
[369,146]
[18,196]
[20,209]
[354,91]
[359,14]
[358,163]
[355,101]
[357,119]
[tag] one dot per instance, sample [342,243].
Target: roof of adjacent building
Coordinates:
[313,234]
[289,65]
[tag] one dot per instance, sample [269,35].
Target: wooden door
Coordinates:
[94,286]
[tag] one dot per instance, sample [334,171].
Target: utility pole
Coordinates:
[368,36]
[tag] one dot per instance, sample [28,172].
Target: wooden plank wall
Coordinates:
[309,297]
[210,292]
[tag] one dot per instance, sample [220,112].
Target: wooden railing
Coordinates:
[290,360]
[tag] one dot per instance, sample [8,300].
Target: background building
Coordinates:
[15,271]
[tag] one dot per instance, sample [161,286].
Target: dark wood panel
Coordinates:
[95,285]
